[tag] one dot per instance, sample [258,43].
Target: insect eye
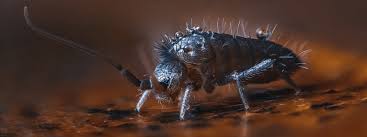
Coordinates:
[200,45]
[187,49]
[165,85]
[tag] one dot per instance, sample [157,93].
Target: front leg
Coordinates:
[142,99]
[148,87]
[185,101]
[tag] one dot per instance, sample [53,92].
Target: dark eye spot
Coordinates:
[164,84]
[202,46]
[186,50]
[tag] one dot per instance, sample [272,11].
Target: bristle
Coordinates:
[238,27]
[301,47]
[163,50]
[303,53]
[167,37]
[278,38]
[218,25]
[230,27]
[304,67]
[286,43]
[283,64]
[224,23]
[187,25]
[286,57]
[244,29]
[272,31]
[204,24]
[191,22]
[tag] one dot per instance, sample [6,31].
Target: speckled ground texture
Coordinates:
[325,108]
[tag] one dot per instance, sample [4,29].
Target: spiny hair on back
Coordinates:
[164,47]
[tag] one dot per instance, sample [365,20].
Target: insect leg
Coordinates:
[142,99]
[252,72]
[147,87]
[291,83]
[185,101]
[241,91]
[241,77]
[71,44]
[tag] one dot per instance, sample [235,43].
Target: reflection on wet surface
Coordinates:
[272,113]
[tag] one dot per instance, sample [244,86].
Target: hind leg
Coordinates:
[241,91]
[242,77]
[291,83]
[282,70]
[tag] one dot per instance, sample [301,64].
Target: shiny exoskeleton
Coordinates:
[198,59]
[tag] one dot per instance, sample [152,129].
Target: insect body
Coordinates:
[197,59]
[204,59]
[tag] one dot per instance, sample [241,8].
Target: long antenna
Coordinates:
[67,43]
[132,78]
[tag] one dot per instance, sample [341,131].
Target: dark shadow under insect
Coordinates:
[230,105]
[198,59]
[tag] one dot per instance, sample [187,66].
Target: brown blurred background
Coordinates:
[37,70]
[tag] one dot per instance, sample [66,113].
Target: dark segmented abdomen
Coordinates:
[239,54]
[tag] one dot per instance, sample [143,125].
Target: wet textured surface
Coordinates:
[272,113]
